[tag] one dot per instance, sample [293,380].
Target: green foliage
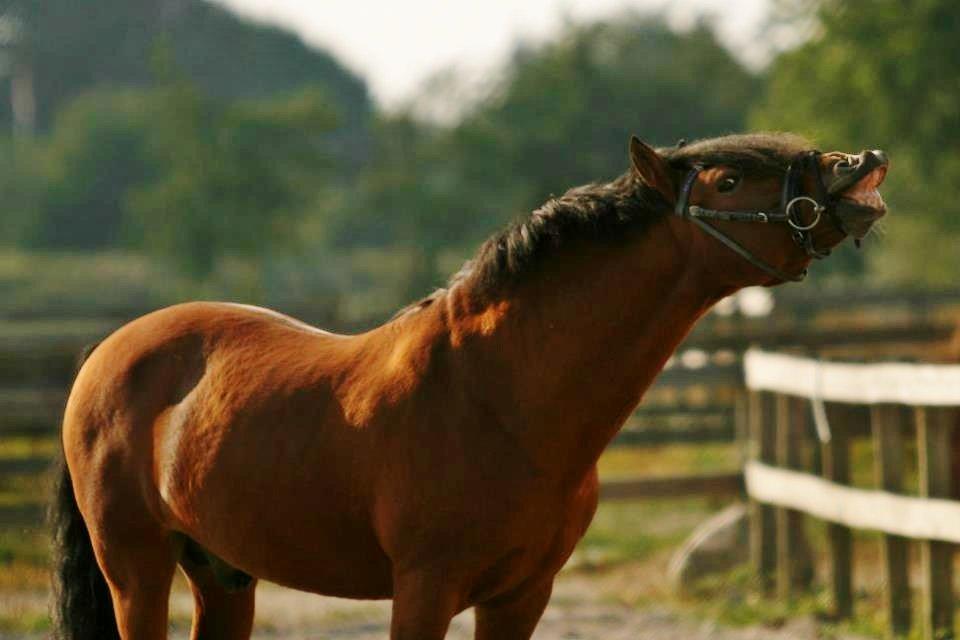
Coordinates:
[232,177]
[410,197]
[72,194]
[17,185]
[885,78]
[168,170]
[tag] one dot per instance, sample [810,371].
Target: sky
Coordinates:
[398,45]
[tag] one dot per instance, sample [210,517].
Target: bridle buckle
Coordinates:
[817,209]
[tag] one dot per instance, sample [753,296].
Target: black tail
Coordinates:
[82,608]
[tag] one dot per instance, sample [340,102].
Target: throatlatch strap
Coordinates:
[746,255]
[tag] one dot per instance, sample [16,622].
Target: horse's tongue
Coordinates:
[865,190]
[873,179]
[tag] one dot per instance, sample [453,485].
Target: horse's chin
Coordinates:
[858,218]
[861,204]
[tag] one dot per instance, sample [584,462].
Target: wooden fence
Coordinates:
[790,399]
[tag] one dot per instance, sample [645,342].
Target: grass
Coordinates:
[29,621]
[668,459]
[24,491]
[735,599]
[635,531]
[15,447]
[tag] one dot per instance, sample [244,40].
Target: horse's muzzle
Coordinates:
[855,183]
[853,169]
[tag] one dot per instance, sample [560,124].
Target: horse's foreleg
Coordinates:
[219,613]
[423,605]
[512,617]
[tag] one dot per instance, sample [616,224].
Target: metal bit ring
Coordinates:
[817,209]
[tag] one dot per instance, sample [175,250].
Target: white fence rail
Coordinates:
[782,390]
[929,385]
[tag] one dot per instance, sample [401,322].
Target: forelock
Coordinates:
[768,153]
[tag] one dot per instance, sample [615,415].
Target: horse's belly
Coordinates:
[328,558]
[282,500]
[308,531]
[352,572]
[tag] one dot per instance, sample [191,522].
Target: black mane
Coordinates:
[608,212]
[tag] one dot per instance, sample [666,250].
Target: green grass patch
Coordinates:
[15,447]
[635,531]
[24,490]
[668,459]
[736,599]
[24,622]
[23,546]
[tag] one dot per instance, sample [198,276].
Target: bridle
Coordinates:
[789,212]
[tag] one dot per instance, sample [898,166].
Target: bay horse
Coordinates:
[446,459]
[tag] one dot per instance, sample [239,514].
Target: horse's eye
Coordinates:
[728,183]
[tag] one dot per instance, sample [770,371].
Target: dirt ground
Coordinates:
[572,615]
[584,606]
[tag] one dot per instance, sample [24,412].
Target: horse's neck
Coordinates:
[578,343]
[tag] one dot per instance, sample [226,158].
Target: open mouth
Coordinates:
[865,192]
[857,185]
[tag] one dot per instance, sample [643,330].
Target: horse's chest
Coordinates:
[533,547]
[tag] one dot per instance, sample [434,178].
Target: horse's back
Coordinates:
[158,362]
[153,361]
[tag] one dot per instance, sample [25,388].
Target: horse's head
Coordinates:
[771,198]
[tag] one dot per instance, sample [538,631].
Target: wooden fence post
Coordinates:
[835,454]
[936,558]
[888,470]
[762,526]
[789,523]
[741,426]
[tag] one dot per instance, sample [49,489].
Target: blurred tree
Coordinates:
[408,198]
[18,184]
[888,77]
[232,177]
[73,183]
[184,176]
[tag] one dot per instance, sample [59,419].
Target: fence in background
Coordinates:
[787,392]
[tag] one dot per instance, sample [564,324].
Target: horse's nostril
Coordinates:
[845,166]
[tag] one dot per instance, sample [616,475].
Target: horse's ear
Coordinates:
[652,168]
